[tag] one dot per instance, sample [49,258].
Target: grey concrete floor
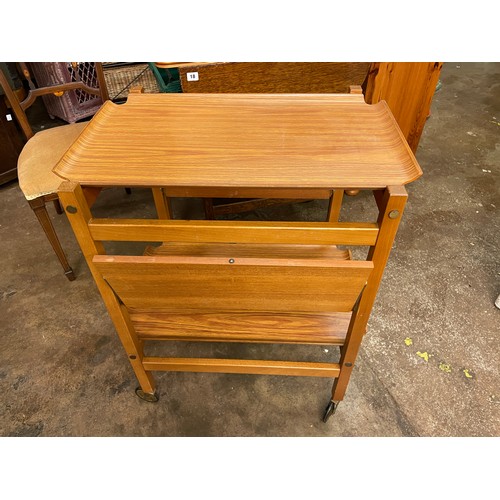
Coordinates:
[428,365]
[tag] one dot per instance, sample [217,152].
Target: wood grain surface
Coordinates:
[274,77]
[408,89]
[237,140]
[257,367]
[224,326]
[293,233]
[254,250]
[184,283]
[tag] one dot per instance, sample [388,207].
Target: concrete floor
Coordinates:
[63,371]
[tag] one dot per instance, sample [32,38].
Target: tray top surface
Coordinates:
[241,140]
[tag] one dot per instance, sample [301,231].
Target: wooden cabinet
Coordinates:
[11,144]
[272,77]
[408,89]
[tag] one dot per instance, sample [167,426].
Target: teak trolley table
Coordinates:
[235,281]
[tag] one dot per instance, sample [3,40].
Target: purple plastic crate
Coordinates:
[73,105]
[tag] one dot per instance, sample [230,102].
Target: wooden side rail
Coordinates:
[216,192]
[311,233]
[255,367]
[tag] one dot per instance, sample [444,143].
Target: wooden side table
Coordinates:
[236,281]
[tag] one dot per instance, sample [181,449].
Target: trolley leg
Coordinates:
[162,203]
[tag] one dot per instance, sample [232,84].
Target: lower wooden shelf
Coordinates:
[286,328]
[243,326]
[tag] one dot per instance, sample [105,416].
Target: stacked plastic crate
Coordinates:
[73,105]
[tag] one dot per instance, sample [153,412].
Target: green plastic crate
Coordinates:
[168,79]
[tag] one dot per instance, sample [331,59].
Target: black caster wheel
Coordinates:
[329,411]
[150,398]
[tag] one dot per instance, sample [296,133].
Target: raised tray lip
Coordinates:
[71,168]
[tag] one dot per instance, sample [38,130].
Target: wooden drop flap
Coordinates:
[203,284]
